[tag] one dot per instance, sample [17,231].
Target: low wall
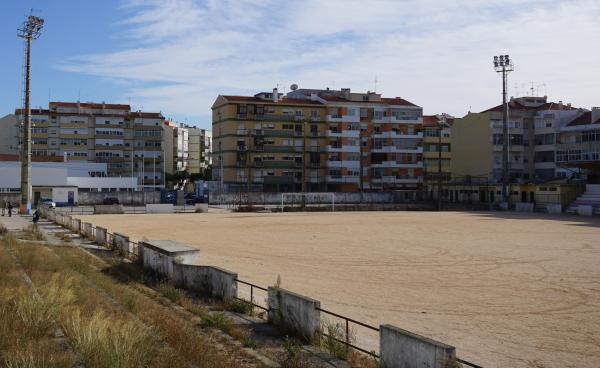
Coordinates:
[161,255]
[88,230]
[201,207]
[101,236]
[120,242]
[126,198]
[402,349]
[585,210]
[76,225]
[68,222]
[554,208]
[294,312]
[107,209]
[258,198]
[214,281]
[159,208]
[524,207]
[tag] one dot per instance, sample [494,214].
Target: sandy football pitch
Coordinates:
[508,290]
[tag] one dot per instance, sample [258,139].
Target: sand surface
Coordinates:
[508,290]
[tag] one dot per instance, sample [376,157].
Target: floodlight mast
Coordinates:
[503,64]
[30,30]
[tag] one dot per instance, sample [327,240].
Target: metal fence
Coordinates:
[252,288]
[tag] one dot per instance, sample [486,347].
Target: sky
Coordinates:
[177,56]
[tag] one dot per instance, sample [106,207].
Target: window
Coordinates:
[364,113]
[378,115]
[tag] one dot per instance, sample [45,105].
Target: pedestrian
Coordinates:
[3,205]
[36,217]
[10,207]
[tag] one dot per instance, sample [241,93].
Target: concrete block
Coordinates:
[585,210]
[402,349]
[67,221]
[87,230]
[76,225]
[159,208]
[101,236]
[554,208]
[294,312]
[524,207]
[201,207]
[160,255]
[120,243]
[210,280]
[106,209]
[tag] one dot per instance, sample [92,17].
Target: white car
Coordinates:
[47,203]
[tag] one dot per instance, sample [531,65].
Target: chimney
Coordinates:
[275,95]
[595,114]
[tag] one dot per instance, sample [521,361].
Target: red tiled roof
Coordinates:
[4,157]
[290,101]
[397,101]
[584,119]
[514,105]
[92,105]
[431,121]
[384,101]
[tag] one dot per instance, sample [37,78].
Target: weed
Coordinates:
[129,303]
[195,308]
[3,229]
[64,237]
[239,306]
[170,292]
[293,358]
[104,342]
[331,335]
[217,320]
[250,342]
[32,232]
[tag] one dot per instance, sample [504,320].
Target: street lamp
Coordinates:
[441,124]
[503,64]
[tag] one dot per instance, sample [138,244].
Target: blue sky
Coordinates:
[176,56]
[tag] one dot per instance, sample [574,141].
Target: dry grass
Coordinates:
[32,232]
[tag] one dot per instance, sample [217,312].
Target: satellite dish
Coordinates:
[294,87]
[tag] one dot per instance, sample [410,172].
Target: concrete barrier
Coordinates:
[120,243]
[76,225]
[87,230]
[402,349]
[159,208]
[554,208]
[201,207]
[585,210]
[524,207]
[294,312]
[161,255]
[101,236]
[214,281]
[107,209]
[67,221]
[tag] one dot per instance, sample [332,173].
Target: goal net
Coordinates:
[307,202]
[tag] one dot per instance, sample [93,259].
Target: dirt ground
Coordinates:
[508,290]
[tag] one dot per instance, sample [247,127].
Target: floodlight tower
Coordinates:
[503,64]
[30,30]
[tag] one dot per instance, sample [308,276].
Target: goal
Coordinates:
[302,201]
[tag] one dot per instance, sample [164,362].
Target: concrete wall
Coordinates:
[76,225]
[201,207]
[120,243]
[159,208]
[87,231]
[294,312]
[214,281]
[554,208]
[524,207]
[101,236]
[585,210]
[105,209]
[67,221]
[403,349]
[161,261]
[471,146]
[125,198]
[340,198]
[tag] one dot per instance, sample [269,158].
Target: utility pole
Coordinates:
[503,64]
[30,30]
[441,123]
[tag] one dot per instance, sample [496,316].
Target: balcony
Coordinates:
[342,179]
[242,132]
[391,179]
[398,164]
[343,148]
[242,148]
[397,149]
[333,118]
[393,134]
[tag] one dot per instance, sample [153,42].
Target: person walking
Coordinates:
[10,207]
[36,217]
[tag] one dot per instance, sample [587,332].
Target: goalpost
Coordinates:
[301,200]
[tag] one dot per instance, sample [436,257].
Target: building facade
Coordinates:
[533,123]
[317,140]
[188,148]
[129,142]
[578,146]
[437,152]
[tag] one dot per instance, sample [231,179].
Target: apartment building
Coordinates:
[578,145]
[188,148]
[317,140]
[533,123]
[436,150]
[129,142]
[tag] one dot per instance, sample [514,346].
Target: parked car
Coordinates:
[110,200]
[47,202]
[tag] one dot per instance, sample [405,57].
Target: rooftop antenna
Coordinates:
[531,89]
[375,90]
[30,30]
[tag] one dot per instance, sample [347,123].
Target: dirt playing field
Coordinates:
[508,290]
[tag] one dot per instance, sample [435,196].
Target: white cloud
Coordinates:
[180,54]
